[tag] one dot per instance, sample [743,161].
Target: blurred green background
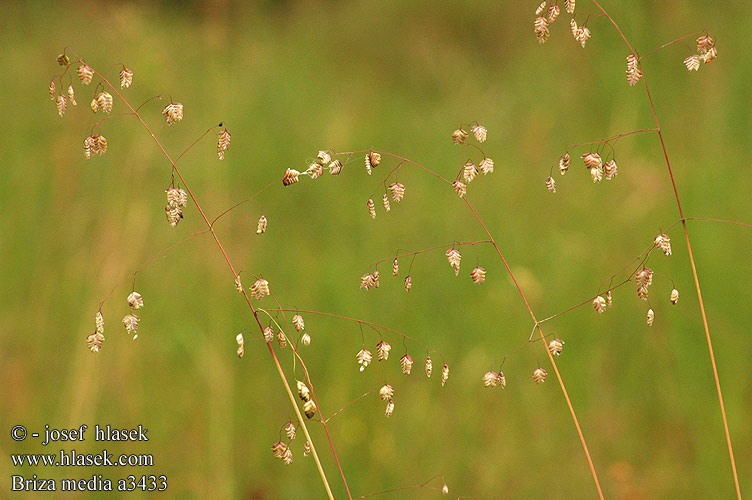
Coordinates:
[290,78]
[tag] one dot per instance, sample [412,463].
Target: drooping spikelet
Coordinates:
[223,143]
[592,160]
[609,299]
[72,95]
[260,289]
[53,89]
[553,13]
[706,48]
[663,242]
[290,177]
[583,35]
[490,379]
[674,296]
[395,267]
[101,144]
[94,106]
[309,408]
[551,184]
[650,317]
[376,278]
[459,136]
[304,393]
[564,163]
[305,339]
[633,71]
[268,334]
[298,322]
[126,78]
[486,166]
[556,346]
[315,170]
[540,28]
[382,350]
[573,28]
[85,74]
[460,188]
[642,292]
[173,112]
[597,174]
[397,190]
[62,104]
[692,62]
[241,344]
[104,101]
[135,301]
[63,59]
[94,341]
[325,157]
[290,430]
[406,363]
[644,277]
[367,281]
[99,321]
[454,258]
[569,5]
[371,208]
[429,366]
[385,202]
[610,169]
[364,358]
[261,225]
[480,133]
[372,161]
[444,374]
[599,304]
[238,284]
[478,275]
[307,449]
[335,167]
[469,172]
[540,9]
[386,392]
[408,283]
[389,408]
[174,215]
[281,339]
[130,322]
[539,375]
[175,197]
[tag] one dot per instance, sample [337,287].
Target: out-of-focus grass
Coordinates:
[290,78]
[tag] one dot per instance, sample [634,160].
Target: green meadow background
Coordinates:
[290,78]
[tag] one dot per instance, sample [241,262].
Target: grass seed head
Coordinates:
[135,301]
[674,296]
[382,350]
[173,112]
[480,133]
[539,375]
[241,344]
[406,363]
[126,78]
[478,275]
[262,225]
[459,136]
[94,341]
[85,74]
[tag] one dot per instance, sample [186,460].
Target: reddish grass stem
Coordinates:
[691,261]
[527,305]
[245,294]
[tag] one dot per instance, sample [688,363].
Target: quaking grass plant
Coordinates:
[282,327]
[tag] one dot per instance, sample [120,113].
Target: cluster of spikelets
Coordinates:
[130,322]
[706,52]
[364,357]
[643,278]
[594,164]
[372,279]
[496,379]
[103,101]
[282,450]
[176,200]
[324,160]
[546,16]
[470,170]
